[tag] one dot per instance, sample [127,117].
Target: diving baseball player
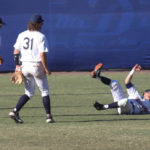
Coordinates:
[134,104]
[30,49]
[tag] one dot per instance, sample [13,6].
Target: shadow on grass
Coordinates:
[94,117]
[117,118]
[61,94]
[101,119]
[90,121]
[37,107]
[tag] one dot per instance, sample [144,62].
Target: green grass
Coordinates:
[78,125]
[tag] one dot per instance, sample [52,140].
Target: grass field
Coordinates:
[78,125]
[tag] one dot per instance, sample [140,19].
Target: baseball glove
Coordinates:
[17,77]
[1,60]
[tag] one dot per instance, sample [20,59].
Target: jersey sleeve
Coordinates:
[43,45]
[132,91]
[17,45]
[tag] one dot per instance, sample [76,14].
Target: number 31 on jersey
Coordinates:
[28,43]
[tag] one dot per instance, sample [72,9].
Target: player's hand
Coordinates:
[48,72]
[18,68]
[137,67]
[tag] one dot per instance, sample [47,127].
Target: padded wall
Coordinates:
[82,33]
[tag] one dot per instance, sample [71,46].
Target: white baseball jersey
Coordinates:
[31,44]
[135,102]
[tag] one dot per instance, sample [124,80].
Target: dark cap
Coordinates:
[147,91]
[1,21]
[36,18]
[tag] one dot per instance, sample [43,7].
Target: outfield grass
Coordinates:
[78,125]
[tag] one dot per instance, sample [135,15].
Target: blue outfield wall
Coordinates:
[82,33]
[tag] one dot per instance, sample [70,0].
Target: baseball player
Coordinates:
[134,104]
[1,24]
[31,48]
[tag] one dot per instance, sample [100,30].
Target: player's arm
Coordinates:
[130,75]
[44,62]
[131,90]
[17,59]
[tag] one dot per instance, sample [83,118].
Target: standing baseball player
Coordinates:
[1,24]
[134,104]
[31,48]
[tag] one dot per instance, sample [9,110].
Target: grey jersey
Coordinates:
[137,102]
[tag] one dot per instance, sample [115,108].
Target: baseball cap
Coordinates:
[1,21]
[147,91]
[36,18]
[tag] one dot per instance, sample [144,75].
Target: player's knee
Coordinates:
[44,93]
[30,95]
[114,84]
[122,103]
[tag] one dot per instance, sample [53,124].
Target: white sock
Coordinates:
[105,106]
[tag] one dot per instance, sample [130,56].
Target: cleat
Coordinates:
[98,106]
[97,70]
[49,120]
[15,116]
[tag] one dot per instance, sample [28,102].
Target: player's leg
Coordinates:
[118,104]
[47,106]
[29,92]
[115,87]
[120,101]
[15,113]
[43,86]
[97,70]
[116,91]
[117,94]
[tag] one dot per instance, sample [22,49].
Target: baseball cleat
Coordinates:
[15,116]
[97,70]
[98,106]
[49,120]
